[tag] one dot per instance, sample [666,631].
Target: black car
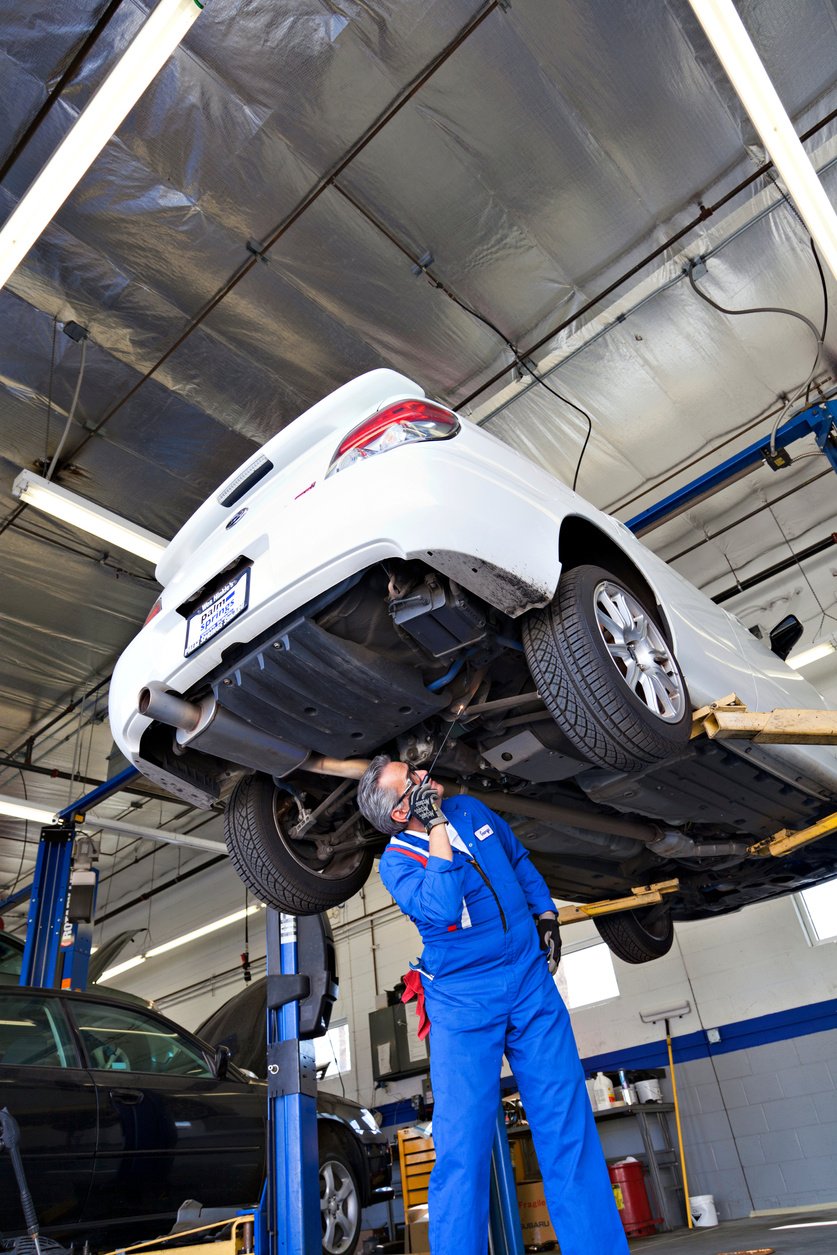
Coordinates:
[355,1161]
[124,1116]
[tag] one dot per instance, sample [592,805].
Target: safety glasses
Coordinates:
[413,781]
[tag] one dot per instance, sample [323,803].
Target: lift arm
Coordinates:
[729,719]
[646,895]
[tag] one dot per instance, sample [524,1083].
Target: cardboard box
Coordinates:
[534,1217]
[418,1238]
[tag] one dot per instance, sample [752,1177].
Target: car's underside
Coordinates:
[401,660]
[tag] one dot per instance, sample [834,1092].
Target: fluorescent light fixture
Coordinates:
[15,809]
[798,661]
[201,932]
[67,506]
[119,968]
[728,36]
[144,57]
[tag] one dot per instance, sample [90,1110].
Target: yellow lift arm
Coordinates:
[729,718]
[646,895]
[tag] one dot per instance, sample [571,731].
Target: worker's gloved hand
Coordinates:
[549,935]
[424,804]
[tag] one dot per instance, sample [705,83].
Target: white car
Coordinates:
[384,575]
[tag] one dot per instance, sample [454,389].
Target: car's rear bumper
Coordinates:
[498,532]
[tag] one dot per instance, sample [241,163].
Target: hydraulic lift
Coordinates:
[62,899]
[302,987]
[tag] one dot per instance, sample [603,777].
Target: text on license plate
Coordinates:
[215,614]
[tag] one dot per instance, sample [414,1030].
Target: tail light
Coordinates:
[155,610]
[406,422]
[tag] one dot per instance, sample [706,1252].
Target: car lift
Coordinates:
[302,988]
[62,900]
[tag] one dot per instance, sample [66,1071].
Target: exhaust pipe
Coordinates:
[208,727]
[349,768]
[158,703]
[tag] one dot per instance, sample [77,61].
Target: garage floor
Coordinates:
[749,1236]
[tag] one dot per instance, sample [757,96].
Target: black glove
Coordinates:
[424,804]
[549,935]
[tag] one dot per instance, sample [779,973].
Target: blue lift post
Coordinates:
[819,421]
[45,926]
[293,1206]
[503,1215]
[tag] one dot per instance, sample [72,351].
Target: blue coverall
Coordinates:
[488,991]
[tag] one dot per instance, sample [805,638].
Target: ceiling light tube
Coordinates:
[728,36]
[13,808]
[201,932]
[144,57]
[798,661]
[119,968]
[67,506]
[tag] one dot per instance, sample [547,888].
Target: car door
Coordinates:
[53,1099]
[169,1129]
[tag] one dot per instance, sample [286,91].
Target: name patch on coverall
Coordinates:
[485,831]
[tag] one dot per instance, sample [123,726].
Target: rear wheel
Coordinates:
[340,1203]
[606,673]
[299,876]
[638,936]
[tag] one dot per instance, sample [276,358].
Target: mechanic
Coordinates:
[466,882]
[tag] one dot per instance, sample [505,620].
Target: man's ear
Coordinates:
[399,813]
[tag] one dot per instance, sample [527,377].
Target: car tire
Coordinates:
[618,710]
[284,873]
[340,1199]
[637,936]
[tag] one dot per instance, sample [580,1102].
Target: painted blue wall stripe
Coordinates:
[816,1017]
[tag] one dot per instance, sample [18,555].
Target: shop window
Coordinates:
[586,975]
[817,909]
[334,1051]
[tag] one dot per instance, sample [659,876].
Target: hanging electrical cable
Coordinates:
[10,889]
[421,266]
[803,389]
[71,413]
[824,610]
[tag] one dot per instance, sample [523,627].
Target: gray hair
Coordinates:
[376,803]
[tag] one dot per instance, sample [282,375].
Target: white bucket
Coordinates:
[702,1207]
[649,1091]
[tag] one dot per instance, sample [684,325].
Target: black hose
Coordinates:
[10,1138]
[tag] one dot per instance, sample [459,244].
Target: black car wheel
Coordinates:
[638,936]
[340,1205]
[300,877]
[606,672]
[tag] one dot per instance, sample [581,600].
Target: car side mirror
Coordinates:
[221,1062]
[785,635]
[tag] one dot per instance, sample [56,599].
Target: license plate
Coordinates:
[214,615]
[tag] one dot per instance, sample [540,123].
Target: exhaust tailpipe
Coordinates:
[206,726]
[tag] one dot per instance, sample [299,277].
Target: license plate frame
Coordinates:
[217,612]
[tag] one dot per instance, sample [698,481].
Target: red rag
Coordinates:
[413,988]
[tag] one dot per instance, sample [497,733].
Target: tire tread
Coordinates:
[259,863]
[596,714]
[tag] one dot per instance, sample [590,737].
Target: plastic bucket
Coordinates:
[649,1091]
[702,1207]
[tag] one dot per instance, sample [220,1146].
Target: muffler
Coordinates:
[207,727]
